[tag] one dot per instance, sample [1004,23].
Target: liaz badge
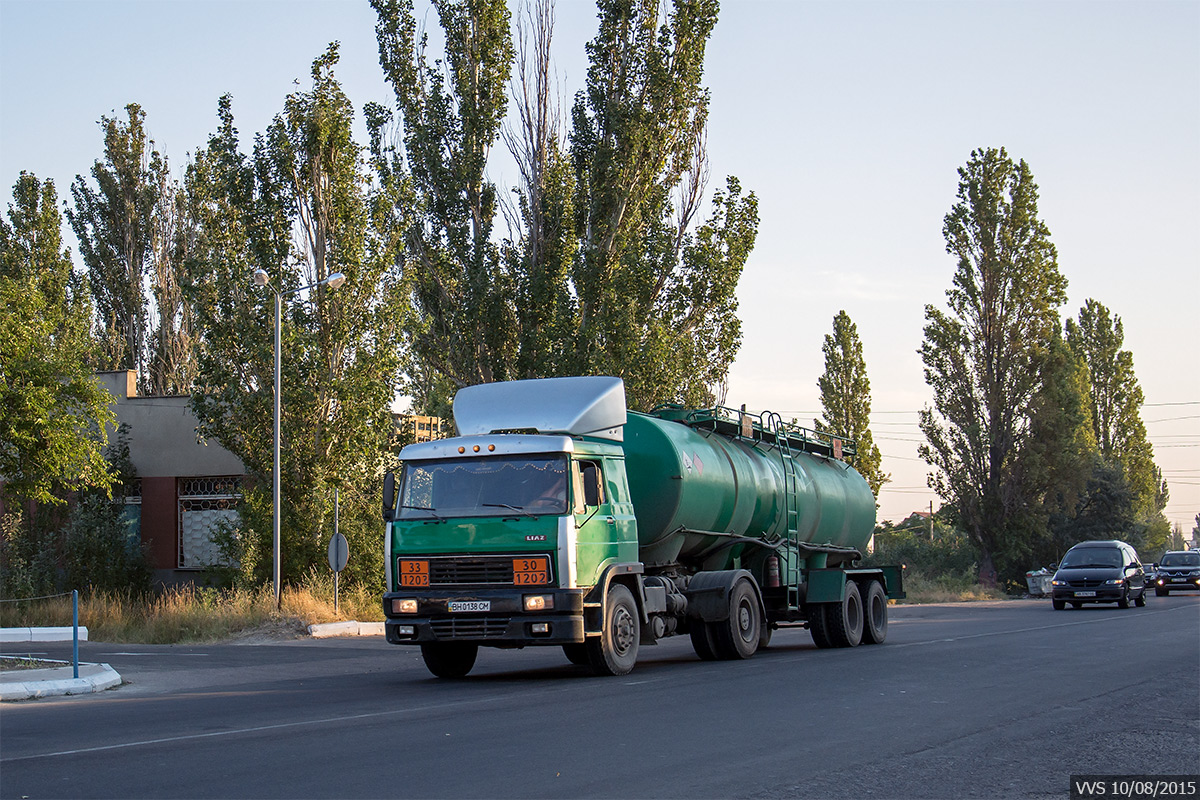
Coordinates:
[536,537]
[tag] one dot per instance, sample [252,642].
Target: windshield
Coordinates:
[1092,557]
[484,487]
[1180,560]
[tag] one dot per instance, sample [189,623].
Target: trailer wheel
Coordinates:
[449,659]
[846,618]
[576,653]
[702,640]
[614,651]
[818,624]
[737,637]
[875,621]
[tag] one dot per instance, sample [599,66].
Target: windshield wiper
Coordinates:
[424,508]
[506,505]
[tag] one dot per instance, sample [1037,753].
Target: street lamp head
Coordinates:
[335,280]
[261,278]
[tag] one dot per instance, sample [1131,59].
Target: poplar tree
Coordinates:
[606,268]
[846,397]
[985,356]
[1097,338]
[131,234]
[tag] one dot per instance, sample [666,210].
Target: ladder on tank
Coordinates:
[789,571]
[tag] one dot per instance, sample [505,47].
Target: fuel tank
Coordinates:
[687,484]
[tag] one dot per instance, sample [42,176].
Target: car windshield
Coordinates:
[1092,557]
[1180,560]
[484,487]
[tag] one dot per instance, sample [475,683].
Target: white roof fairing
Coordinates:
[579,406]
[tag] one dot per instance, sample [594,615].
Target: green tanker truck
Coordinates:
[557,517]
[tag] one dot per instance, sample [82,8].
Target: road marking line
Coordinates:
[279,726]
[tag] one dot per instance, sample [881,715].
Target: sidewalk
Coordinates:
[23,684]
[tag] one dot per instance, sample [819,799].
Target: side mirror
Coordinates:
[1054,565]
[389,497]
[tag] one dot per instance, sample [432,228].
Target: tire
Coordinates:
[764,636]
[1059,605]
[1161,593]
[1076,605]
[703,640]
[1140,600]
[614,651]
[846,618]
[875,614]
[449,659]
[737,636]
[818,624]
[1124,601]
[576,653]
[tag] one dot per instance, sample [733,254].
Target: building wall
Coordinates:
[165,449]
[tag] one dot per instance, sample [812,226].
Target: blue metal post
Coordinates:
[75,628]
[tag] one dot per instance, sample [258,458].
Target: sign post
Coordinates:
[339,552]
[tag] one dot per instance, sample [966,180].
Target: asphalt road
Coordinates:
[975,700]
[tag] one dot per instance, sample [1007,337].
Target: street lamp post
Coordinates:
[261,278]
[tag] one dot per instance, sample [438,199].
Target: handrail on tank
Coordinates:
[767,428]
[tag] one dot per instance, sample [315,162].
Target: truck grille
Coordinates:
[471,570]
[470,627]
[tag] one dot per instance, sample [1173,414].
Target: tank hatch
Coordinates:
[580,406]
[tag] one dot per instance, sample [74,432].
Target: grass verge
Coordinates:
[946,589]
[197,614]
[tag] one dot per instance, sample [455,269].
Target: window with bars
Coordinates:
[204,503]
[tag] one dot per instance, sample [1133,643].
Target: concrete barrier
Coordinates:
[42,634]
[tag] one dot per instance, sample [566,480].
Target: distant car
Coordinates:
[1099,572]
[1178,570]
[1151,573]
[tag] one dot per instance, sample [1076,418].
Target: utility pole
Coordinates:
[931,520]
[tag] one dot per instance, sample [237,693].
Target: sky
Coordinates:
[848,119]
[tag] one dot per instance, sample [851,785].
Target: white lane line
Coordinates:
[279,726]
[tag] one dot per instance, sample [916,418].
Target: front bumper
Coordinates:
[1098,594]
[505,623]
[1176,583]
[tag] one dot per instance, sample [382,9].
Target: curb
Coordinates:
[63,634]
[99,678]
[325,630]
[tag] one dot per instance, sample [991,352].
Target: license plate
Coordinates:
[470,605]
[1178,580]
[1085,594]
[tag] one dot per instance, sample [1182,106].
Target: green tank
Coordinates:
[692,485]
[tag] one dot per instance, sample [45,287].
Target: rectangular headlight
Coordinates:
[404,605]
[539,602]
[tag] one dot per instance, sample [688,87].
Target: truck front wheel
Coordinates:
[449,659]
[614,651]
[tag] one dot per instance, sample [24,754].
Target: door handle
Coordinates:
[611,521]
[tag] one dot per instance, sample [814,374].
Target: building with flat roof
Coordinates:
[187,485]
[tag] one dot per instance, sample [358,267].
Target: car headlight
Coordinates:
[1058,583]
[1114,581]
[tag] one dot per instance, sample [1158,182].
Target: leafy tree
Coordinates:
[298,209]
[605,270]
[450,121]
[656,302]
[52,411]
[846,397]
[130,230]
[1097,338]
[985,357]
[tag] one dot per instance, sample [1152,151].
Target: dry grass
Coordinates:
[198,614]
[946,590]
